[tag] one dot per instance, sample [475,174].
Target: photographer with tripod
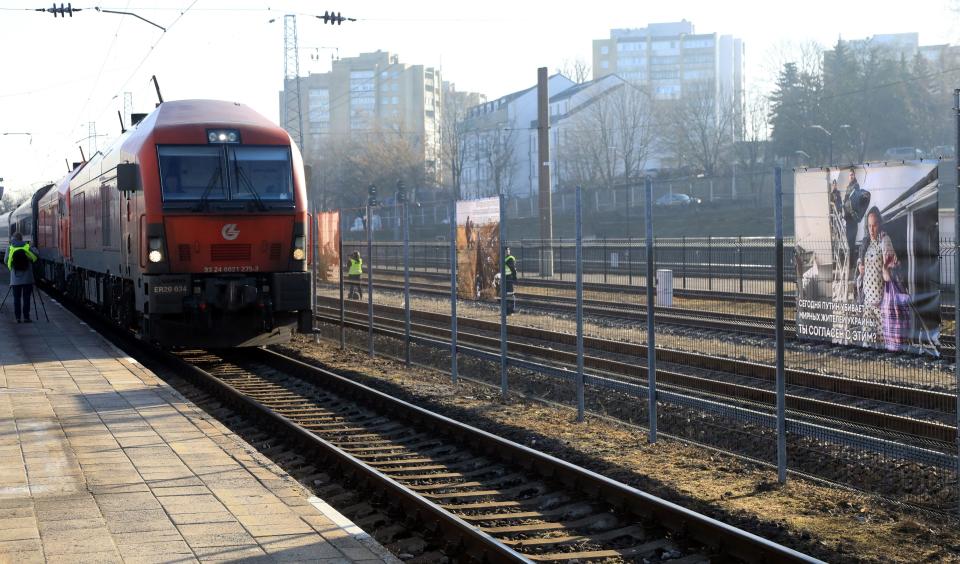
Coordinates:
[20,261]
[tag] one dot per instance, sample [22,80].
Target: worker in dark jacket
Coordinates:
[510,274]
[20,261]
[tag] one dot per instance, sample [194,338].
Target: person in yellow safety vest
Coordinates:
[510,274]
[20,261]
[354,271]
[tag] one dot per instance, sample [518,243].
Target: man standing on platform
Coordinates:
[20,261]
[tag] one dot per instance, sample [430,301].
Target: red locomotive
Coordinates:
[191,229]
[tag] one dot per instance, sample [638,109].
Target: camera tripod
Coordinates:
[34,295]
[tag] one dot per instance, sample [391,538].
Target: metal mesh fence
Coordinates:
[880,421]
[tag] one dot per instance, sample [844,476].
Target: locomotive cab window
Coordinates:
[192,173]
[261,173]
[204,177]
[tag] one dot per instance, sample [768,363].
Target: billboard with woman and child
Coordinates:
[478,248]
[868,256]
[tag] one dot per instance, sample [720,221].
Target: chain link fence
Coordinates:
[522,313]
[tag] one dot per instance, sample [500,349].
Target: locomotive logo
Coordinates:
[230,231]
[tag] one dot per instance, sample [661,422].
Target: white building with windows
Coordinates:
[671,58]
[502,138]
[498,137]
[363,94]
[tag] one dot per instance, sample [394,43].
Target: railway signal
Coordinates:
[372,196]
[401,192]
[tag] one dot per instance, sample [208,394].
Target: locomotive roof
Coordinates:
[184,112]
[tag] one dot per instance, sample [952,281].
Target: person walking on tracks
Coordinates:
[354,272]
[510,273]
[20,261]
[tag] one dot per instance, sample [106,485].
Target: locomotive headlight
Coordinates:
[155,246]
[223,136]
[299,246]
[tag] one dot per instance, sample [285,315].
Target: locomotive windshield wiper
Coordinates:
[249,185]
[217,175]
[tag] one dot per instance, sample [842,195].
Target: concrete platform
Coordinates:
[101,461]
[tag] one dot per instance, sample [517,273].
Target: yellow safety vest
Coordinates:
[13,249]
[506,265]
[356,266]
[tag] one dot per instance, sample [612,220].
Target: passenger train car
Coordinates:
[190,229]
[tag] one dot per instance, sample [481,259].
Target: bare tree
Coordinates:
[633,133]
[576,70]
[453,140]
[608,139]
[381,157]
[499,158]
[699,128]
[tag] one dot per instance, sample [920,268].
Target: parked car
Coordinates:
[682,200]
[942,151]
[903,154]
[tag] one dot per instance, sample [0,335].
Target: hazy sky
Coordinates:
[60,74]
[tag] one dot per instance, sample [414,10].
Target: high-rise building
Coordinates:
[670,59]
[366,95]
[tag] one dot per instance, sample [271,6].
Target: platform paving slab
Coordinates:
[102,461]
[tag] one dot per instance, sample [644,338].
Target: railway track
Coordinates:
[813,396]
[616,308]
[487,498]
[443,278]
[477,496]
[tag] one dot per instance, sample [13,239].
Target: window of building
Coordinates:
[700,74]
[665,60]
[664,74]
[318,110]
[604,64]
[604,49]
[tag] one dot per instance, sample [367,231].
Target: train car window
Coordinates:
[77,222]
[191,173]
[261,173]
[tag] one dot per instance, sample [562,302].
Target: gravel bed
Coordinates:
[830,523]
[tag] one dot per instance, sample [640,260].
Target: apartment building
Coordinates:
[670,58]
[364,96]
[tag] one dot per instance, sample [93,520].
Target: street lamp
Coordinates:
[802,154]
[829,136]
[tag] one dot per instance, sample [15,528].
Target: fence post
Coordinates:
[370,280]
[710,262]
[313,232]
[740,259]
[956,274]
[503,304]
[579,258]
[453,292]
[683,254]
[606,258]
[343,338]
[781,385]
[651,332]
[405,222]
[630,262]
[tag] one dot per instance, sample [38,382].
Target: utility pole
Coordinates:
[543,156]
[92,137]
[292,109]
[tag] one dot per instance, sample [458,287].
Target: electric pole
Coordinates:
[292,108]
[543,155]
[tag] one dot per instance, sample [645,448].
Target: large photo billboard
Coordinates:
[478,248]
[867,256]
[328,247]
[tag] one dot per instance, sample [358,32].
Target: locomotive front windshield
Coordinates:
[212,176]
[191,173]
